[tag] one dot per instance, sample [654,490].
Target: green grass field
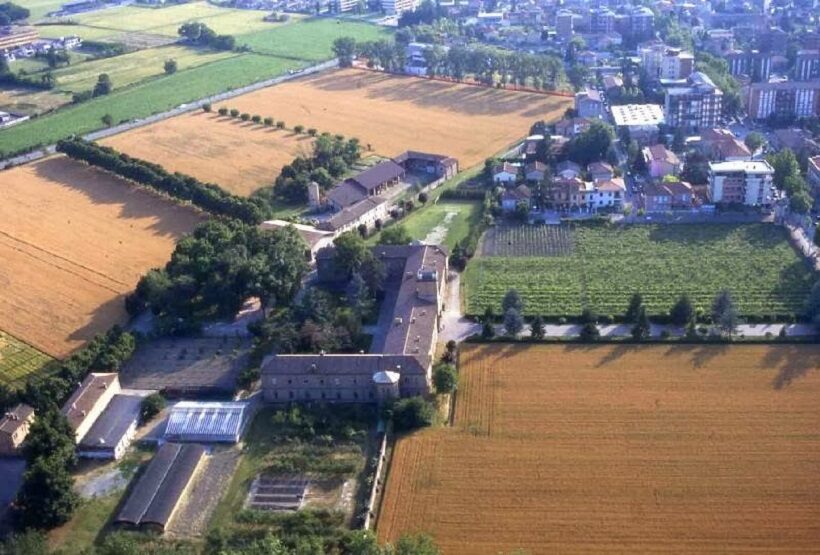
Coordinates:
[606,265]
[311,39]
[18,360]
[444,223]
[84,32]
[146,99]
[39,8]
[132,68]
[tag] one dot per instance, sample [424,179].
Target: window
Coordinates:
[290,382]
[290,394]
[355,395]
[275,394]
[323,394]
[338,394]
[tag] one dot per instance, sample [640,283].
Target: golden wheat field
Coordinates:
[394,113]
[239,156]
[620,449]
[73,242]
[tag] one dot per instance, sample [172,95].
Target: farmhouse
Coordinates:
[113,431]
[158,491]
[89,400]
[14,428]
[401,361]
[364,212]
[207,422]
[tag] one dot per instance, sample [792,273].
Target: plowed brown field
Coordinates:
[241,157]
[397,113]
[73,242]
[582,449]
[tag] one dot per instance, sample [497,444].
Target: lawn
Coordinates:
[134,67]
[311,39]
[618,449]
[443,223]
[166,20]
[145,99]
[607,264]
[18,360]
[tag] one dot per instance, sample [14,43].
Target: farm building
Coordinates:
[112,432]
[89,400]
[157,493]
[368,183]
[364,212]
[401,359]
[208,422]
[436,164]
[14,428]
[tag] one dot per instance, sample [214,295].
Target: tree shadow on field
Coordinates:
[791,362]
[101,318]
[135,202]
[700,355]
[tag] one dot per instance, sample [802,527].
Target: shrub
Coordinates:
[445,378]
[245,116]
[412,413]
[256,118]
[589,333]
[151,406]
[268,122]
[222,111]
[206,107]
[234,113]
[299,129]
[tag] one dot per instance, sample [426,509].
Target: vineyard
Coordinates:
[528,240]
[607,264]
[18,360]
[618,449]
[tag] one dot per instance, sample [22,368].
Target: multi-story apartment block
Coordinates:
[602,21]
[696,106]
[742,182]
[753,63]
[785,99]
[807,65]
[564,24]
[398,7]
[662,62]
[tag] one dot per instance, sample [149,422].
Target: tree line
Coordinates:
[207,196]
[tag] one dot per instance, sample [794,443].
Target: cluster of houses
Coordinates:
[25,42]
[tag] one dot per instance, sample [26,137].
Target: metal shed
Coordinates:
[208,422]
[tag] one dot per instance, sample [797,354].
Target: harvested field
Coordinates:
[74,241]
[239,156]
[396,113]
[619,448]
[30,101]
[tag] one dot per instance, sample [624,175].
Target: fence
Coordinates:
[370,516]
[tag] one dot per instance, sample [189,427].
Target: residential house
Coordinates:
[664,196]
[589,104]
[661,161]
[612,83]
[401,364]
[510,198]
[797,140]
[14,428]
[609,193]
[600,171]
[89,400]
[572,126]
[567,169]
[721,144]
[505,173]
[576,195]
[534,171]
[742,182]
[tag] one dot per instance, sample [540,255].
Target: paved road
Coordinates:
[181,109]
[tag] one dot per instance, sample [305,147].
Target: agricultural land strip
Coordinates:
[396,113]
[580,449]
[239,156]
[74,241]
[607,264]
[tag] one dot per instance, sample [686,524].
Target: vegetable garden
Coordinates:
[18,360]
[608,264]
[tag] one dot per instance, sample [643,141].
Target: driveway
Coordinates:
[453,323]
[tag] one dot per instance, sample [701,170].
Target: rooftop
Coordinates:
[86,396]
[378,175]
[637,114]
[747,166]
[353,212]
[113,423]
[15,418]
[206,419]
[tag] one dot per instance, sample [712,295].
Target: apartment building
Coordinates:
[696,106]
[398,7]
[752,63]
[741,182]
[662,62]
[786,99]
[807,65]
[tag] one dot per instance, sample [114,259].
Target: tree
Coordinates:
[445,378]
[682,312]
[412,413]
[785,165]
[103,85]
[754,141]
[724,313]
[47,498]
[522,211]
[512,300]
[206,107]
[487,324]
[245,116]
[151,406]
[592,144]
[419,544]
[299,129]
[362,230]
[800,202]
[513,322]
[589,332]
[50,436]
[170,66]
[234,113]
[344,48]
[642,328]
[256,118]
[422,198]
[31,542]
[537,328]
[107,120]
[395,235]
[351,252]
[632,312]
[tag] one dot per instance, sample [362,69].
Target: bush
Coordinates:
[234,113]
[222,111]
[412,413]
[299,129]
[256,119]
[151,406]
[206,107]
[445,378]
[245,116]
[589,333]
